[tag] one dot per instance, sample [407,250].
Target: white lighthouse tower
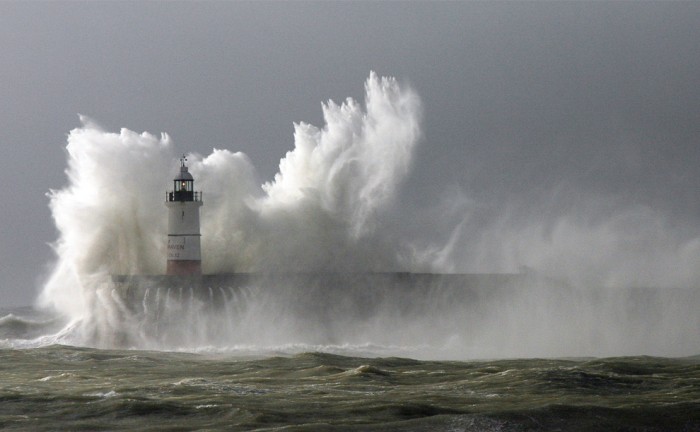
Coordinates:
[184,253]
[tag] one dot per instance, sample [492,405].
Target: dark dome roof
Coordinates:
[184,174]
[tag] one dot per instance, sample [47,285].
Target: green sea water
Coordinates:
[69,388]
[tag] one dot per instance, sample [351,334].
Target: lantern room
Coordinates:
[183,185]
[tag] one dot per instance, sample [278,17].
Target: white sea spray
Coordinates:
[327,210]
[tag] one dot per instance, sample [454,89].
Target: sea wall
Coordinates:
[473,315]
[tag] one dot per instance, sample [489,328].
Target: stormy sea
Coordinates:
[357,352]
[50,386]
[324,305]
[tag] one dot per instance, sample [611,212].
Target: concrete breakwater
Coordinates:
[469,314]
[356,291]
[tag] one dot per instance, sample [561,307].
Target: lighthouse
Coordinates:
[184,252]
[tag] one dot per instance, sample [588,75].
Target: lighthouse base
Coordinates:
[184,267]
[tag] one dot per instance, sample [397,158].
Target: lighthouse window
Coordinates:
[183,185]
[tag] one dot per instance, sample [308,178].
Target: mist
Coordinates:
[334,207]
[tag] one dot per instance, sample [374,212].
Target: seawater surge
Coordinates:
[313,260]
[322,211]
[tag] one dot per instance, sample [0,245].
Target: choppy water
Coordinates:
[58,387]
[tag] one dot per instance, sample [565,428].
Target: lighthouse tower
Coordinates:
[184,253]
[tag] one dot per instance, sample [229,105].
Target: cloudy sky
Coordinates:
[531,109]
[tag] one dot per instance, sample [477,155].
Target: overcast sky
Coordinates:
[526,104]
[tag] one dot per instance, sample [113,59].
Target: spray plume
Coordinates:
[321,211]
[326,211]
[319,214]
